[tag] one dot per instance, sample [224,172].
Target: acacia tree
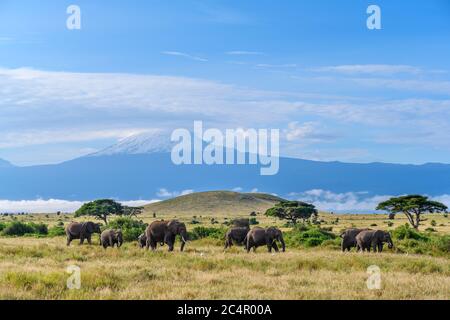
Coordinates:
[100,209]
[292,211]
[413,206]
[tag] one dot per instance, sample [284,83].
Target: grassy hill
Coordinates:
[215,203]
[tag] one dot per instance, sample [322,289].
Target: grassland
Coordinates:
[35,268]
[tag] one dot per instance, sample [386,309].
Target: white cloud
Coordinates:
[380,69]
[359,202]
[53,205]
[184,55]
[164,193]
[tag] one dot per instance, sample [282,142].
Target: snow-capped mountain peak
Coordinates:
[155,141]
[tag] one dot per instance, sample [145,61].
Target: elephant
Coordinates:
[349,238]
[142,240]
[259,237]
[82,231]
[236,235]
[165,232]
[374,239]
[111,237]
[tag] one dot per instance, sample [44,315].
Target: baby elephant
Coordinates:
[374,239]
[142,240]
[236,235]
[111,237]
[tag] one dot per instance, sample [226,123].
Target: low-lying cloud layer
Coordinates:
[351,202]
[53,205]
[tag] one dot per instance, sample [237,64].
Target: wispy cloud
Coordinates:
[379,69]
[184,55]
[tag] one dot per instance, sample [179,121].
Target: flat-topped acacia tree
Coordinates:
[103,208]
[292,211]
[413,206]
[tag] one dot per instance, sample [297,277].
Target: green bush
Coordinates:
[2,226]
[253,221]
[206,232]
[56,231]
[406,232]
[131,228]
[308,236]
[17,228]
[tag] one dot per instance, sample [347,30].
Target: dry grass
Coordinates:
[35,269]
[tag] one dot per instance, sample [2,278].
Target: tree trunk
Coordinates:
[411,219]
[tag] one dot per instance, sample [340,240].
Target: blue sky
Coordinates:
[336,90]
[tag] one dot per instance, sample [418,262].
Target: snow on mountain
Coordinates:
[155,141]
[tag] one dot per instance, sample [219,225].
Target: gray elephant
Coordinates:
[374,239]
[82,231]
[111,237]
[236,235]
[165,232]
[142,240]
[349,238]
[259,237]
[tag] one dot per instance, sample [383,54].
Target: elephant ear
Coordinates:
[90,227]
[173,226]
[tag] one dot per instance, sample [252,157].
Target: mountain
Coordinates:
[215,202]
[141,176]
[156,141]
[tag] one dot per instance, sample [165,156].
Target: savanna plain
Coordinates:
[34,267]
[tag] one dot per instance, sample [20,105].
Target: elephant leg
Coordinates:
[81,240]
[275,247]
[69,240]
[111,242]
[89,239]
[380,247]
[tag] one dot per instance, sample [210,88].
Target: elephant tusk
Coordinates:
[182,238]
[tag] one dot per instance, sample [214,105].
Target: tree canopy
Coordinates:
[292,211]
[103,208]
[413,206]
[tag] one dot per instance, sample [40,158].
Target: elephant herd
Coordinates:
[165,232]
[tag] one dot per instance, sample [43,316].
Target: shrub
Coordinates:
[406,232]
[433,223]
[373,225]
[390,223]
[17,228]
[253,221]
[308,236]
[56,231]
[193,221]
[207,232]
[131,228]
